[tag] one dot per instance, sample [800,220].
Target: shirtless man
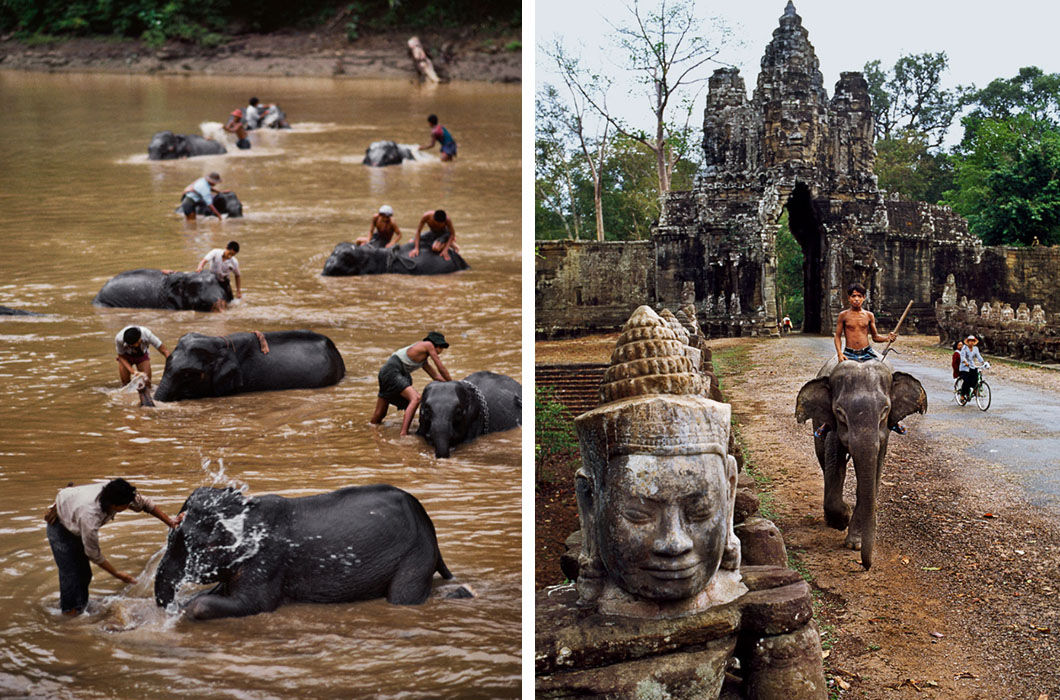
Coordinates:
[235,125]
[443,234]
[856,326]
[383,232]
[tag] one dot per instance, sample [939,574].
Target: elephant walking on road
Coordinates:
[456,412]
[357,543]
[853,405]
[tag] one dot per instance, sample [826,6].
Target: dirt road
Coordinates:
[962,600]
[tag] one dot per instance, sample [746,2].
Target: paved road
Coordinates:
[1020,433]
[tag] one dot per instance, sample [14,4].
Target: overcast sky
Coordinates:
[982,40]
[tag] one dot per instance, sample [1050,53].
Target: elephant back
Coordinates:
[503,397]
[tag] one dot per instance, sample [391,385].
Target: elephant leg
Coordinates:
[411,584]
[213,604]
[833,458]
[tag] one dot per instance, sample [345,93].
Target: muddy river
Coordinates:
[79,202]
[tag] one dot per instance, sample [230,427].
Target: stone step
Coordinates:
[576,386]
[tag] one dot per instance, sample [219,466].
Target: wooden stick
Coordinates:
[897,326]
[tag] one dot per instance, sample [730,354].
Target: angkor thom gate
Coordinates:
[788,147]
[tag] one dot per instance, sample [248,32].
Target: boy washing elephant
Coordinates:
[395,377]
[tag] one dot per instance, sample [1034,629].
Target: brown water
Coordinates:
[79,203]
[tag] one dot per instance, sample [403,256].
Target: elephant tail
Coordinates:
[443,569]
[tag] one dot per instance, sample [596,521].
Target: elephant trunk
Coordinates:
[867,457]
[441,445]
[170,570]
[165,392]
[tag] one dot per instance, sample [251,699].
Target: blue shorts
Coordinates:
[449,149]
[862,355]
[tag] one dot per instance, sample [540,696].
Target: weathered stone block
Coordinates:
[788,667]
[761,542]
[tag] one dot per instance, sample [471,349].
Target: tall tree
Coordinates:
[1030,92]
[665,48]
[556,170]
[910,98]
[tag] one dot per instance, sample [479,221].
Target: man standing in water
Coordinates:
[131,344]
[441,136]
[395,377]
[74,520]
[235,125]
[223,261]
[443,234]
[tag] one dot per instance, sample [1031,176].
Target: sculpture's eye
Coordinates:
[636,515]
[699,512]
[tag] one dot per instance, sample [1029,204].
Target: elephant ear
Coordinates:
[815,402]
[476,421]
[227,376]
[907,396]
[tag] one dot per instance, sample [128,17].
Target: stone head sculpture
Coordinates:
[656,489]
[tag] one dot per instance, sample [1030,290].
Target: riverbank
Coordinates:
[459,54]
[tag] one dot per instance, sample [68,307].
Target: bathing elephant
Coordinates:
[858,402]
[165,145]
[272,118]
[348,259]
[357,543]
[456,412]
[382,153]
[154,289]
[227,204]
[206,365]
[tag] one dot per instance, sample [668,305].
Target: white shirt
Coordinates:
[968,357]
[201,191]
[145,335]
[79,512]
[219,266]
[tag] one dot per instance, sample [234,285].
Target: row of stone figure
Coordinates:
[703,609]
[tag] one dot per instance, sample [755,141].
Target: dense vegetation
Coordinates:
[208,21]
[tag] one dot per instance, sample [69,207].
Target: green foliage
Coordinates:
[205,21]
[513,45]
[910,97]
[553,426]
[790,276]
[905,164]
[1007,175]
[1030,92]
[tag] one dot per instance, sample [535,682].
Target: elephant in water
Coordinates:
[205,365]
[227,204]
[155,289]
[456,412]
[348,259]
[8,311]
[356,543]
[856,403]
[382,153]
[165,145]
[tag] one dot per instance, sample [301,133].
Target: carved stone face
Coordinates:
[663,523]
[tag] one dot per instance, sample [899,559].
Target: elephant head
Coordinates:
[200,365]
[215,537]
[451,413]
[382,153]
[199,291]
[858,402]
[349,259]
[165,145]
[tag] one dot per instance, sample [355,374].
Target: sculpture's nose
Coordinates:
[672,540]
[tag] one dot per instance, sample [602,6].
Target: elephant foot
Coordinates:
[837,518]
[853,541]
[455,591]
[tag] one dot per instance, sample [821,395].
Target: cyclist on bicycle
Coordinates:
[969,370]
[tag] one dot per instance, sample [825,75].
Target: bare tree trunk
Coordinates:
[422,61]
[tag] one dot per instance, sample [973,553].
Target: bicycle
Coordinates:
[981,392]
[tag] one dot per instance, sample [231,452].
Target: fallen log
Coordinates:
[422,61]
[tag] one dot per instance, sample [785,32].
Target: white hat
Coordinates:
[386,210]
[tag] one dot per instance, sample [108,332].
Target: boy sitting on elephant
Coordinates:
[395,377]
[855,325]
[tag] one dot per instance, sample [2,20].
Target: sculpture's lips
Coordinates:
[672,573]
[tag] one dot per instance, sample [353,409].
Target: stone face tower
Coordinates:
[791,147]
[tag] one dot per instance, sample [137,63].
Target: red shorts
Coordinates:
[136,359]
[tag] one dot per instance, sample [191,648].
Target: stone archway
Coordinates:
[809,234]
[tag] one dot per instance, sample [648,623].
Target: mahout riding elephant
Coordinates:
[357,543]
[206,365]
[155,289]
[349,259]
[456,412]
[227,203]
[853,406]
[382,153]
[165,145]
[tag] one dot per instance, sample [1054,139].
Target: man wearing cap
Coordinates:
[969,371]
[201,191]
[383,231]
[235,125]
[395,377]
